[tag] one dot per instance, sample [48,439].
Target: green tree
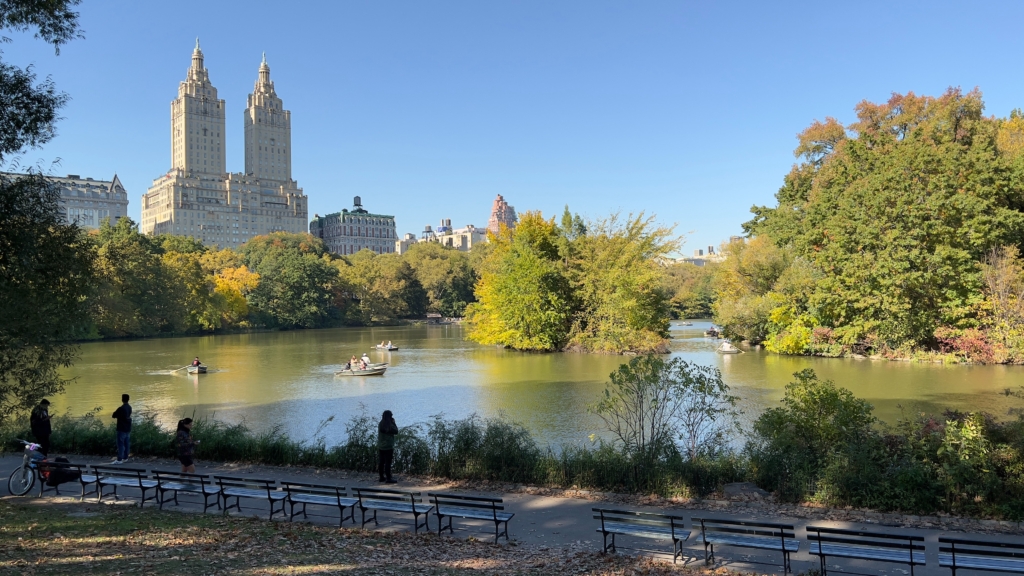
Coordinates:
[523,296]
[893,214]
[617,279]
[383,288]
[297,280]
[136,295]
[791,445]
[45,267]
[691,289]
[445,274]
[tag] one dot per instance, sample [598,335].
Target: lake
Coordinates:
[287,379]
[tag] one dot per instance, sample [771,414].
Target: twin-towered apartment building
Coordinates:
[198,197]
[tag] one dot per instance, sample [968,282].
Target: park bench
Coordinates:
[117,476]
[864,545]
[759,535]
[393,501]
[989,555]
[238,488]
[64,472]
[471,507]
[319,495]
[642,525]
[167,481]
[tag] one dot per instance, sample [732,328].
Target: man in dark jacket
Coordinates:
[40,421]
[124,430]
[386,432]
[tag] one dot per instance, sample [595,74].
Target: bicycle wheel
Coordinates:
[21,481]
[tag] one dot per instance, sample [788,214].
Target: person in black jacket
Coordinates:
[40,421]
[124,430]
[387,429]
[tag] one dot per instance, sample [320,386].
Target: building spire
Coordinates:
[264,71]
[197,57]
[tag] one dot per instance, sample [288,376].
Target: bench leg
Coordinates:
[677,550]
[709,559]
[822,562]
[785,562]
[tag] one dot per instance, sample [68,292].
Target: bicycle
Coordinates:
[24,477]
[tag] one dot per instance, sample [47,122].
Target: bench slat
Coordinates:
[633,530]
[761,542]
[473,513]
[867,553]
[249,493]
[981,562]
[325,500]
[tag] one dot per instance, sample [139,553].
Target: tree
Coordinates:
[297,280]
[891,217]
[383,287]
[617,277]
[45,266]
[136,295]
[691,289]
[791,445]
[445,274]
[650,403]
[523,296]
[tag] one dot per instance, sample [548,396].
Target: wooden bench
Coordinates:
[642,525]
[238,488]
[471,507]
[760,535]
[117,476]
[319,495]
[988,555]
[393,501]
[865,545]
[46,468]
[167,481]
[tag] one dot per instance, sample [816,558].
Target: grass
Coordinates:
[60,536]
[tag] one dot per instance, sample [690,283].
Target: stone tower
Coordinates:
[197,122]
[268,132]
[501,213]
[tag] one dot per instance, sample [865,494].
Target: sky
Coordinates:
[687,111]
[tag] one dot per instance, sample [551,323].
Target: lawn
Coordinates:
[62,536]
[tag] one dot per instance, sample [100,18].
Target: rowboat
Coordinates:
[728,348]
[388,348]
[712,332]
[197,369]
[370,371]
[684,323]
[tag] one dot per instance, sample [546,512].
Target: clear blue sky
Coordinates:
[687,110]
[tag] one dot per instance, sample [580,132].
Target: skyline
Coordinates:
[688,112]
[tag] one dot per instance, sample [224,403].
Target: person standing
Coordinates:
[386,432]
[40,422]
[124,430]
[186,446]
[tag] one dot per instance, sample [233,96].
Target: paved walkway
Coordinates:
[547,521]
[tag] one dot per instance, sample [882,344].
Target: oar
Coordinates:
[179,369]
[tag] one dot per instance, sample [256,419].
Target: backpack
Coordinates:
[61,475]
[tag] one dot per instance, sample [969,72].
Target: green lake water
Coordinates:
[287,379]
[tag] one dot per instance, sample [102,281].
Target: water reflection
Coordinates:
[287,379]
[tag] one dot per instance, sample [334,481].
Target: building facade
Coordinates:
[350,231]
[87,201]
[197,197]
[462,239]
[501,213]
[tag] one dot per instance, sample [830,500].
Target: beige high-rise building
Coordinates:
[197,197]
